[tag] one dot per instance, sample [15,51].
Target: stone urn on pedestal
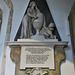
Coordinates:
[38,24]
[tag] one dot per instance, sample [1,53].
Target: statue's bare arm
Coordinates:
[29,14]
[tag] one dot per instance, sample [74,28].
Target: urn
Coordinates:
[38,23]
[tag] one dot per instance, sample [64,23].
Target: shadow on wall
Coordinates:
[71,19]
[0,18]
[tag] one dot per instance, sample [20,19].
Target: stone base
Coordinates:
[38,37]
[59,54]
[59,57]
[33,40]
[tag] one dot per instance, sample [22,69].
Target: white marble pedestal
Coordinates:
[30,54]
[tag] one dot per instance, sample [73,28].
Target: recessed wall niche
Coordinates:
[43,7]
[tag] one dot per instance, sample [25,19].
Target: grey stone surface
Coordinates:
[34,18]
[16,50]
[28,20]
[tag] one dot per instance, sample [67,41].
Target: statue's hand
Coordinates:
[35,17]
[44,26]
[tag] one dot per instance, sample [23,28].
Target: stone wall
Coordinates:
[72,27]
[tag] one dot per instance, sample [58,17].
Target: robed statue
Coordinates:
[26,31]
[34,18]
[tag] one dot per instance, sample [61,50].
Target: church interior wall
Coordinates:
[60,11]
[19,10]
[71,19]
[5,15]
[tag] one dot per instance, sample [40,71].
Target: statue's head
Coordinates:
[32,4]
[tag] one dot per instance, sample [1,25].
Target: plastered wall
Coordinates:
[59,9]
